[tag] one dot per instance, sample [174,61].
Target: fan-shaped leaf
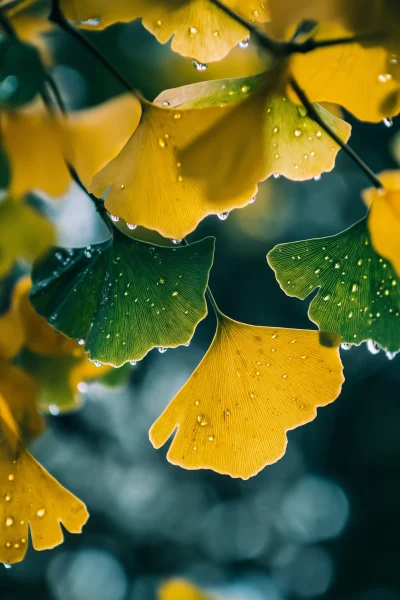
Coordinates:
[12,333]
[25,234]
[30,497]
[384,217]
[199,28]
[359,292]
[253,385]
[359,78]
[124,297]
[265,134]
[217,120]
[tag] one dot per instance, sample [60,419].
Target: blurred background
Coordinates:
[321,523]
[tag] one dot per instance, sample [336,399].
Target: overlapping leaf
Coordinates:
[22,73]
[384,217]
[253,385]
[38,145]
[179,589]
[359,291]
[123,297]
[30,498]
[199,28]
[360,78]
[207,146]
[25,234]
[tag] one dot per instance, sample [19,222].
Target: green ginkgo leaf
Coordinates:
[123,297]
[359,293]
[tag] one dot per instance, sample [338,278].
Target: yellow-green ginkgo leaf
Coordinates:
[31,499]
[253,385]
[12,333]
[359,78]
[20,391]
[179,589]
[384,217]
[200,29]
[57,363]
[25,233]
[38,145]
[217,120]
[264,134]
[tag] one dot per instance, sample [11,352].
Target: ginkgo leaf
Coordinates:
[123,297]
[277,134]
[199,28]
[25,233]
[12,333]
[253,385]
[38,144]
[384,217]
[179,589]
[20,390]
[58,364]
[217,120]
[359,292]
[357,77]
[31,498]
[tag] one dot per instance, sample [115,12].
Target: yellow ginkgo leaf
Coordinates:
[94,136]
[384,217]
[32,29]
[179,589]
[33,144]
[20,390]
[31,498]
[359,78]
[38,145]
[253,385]
[11,330]
[29,240]
[199,28]
[265,134]
[192,141]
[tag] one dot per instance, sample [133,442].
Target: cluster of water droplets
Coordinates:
[373,348]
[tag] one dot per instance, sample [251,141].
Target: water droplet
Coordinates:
[96,363]
[165,103]
[276,129]
[317,178]
[373,347]
[216,33]
[92,22]
[312,154]
[244,43]
[318,134]
[245,88]
[81,342]
[41,512]
[277,175]
[223,216]
[199,66]
[252,200]
[354,288]
[9,521]
[298,132]
[388,122]
[350,314]
[162,350]
[391,355]
[6,565]
[202,420]
[8,498]
[175,294]
[284,376]
[23,541]
[211,438]
[346,346]
[177,241]
[114,218]
[192,30]
[158,22]
[131,226]
[11,477]
[161,142]
[177,116]
[54,410]
[325,298]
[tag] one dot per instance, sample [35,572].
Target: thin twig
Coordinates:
[312,44]
[313,113]
[57,17]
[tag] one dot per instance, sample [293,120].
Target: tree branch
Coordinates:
[56,16]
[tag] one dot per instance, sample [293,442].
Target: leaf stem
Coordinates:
[57,17]
[313,113]
[312,44]
[209,293]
